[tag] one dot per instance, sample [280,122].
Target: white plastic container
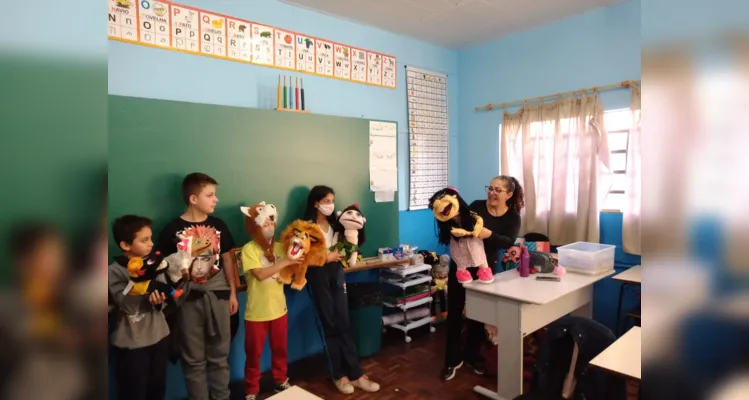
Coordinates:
[586,257]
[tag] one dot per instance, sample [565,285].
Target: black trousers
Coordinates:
[455,350]
[328,287]
[141,373]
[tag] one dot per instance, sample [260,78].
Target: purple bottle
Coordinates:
[525,262]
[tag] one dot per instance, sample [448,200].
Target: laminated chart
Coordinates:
[171,26]
[428,134]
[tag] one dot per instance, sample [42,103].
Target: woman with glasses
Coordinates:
[501,214]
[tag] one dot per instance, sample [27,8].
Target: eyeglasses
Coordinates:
[497,190]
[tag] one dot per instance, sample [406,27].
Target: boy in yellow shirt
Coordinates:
[266,303]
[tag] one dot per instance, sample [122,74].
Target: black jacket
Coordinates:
[553,362]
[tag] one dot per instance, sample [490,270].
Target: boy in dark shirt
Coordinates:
[203,319]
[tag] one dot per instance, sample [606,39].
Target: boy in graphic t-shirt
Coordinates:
[203,326]
[262,261]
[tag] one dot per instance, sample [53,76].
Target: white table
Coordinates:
[632,276]
[520,306]
[623,356]
[294,393]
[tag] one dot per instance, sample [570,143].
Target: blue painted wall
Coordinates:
[141,71]
[595,48]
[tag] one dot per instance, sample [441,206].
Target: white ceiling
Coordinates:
[453,23]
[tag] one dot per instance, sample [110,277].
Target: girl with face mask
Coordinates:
[327,285]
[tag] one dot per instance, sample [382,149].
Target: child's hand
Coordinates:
[293,263]
[334,256]
[157,297]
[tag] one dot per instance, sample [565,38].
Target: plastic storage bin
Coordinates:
[587,258]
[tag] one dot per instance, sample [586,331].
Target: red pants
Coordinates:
[254,341]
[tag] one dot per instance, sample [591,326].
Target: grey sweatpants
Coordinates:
[203,355]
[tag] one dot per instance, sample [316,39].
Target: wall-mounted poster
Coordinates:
[185,29]
[239,40]
[305,54]
[171,26]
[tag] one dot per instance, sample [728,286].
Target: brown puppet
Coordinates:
[459,227]
[256,216]
[302,239]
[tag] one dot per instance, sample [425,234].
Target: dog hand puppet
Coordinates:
[352,221]
[257,217]
[302,239]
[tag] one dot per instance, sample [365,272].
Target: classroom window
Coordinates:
[618,124]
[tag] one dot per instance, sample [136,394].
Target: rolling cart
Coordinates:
[413,283]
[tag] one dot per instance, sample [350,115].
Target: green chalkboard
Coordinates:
[255,155]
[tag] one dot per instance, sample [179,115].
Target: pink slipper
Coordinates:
[463,276]
[485,275]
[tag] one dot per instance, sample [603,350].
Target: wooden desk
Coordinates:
[374,263]
[632,276]
[624,356]
[518,307]
[295,393]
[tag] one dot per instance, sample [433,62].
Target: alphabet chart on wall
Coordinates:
[428,134]
[170,26]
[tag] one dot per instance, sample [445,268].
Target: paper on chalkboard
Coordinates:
[384,196]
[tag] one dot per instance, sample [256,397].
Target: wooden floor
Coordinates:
[404,371]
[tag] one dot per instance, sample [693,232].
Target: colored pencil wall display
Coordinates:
[291,93]
[284,92]
[296,94]
[279,91]
[302,92]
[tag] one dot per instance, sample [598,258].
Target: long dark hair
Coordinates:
[517,201]
[316,194]
[464,215]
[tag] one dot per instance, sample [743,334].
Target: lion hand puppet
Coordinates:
[459,227]
[302,239]
[352,221]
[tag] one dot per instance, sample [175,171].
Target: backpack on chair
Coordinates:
[555,374]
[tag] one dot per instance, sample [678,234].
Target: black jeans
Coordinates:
[328,287]
[455,351]
[141,373]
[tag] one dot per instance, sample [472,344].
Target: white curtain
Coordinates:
[559,153]
[633,204]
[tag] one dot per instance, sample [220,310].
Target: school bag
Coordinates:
[553,363]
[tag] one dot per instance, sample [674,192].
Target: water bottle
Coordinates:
[525,262]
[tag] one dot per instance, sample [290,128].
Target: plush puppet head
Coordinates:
[260,223]
[451,211]
[352,219]
[445,204]
[303,238]
[146,267]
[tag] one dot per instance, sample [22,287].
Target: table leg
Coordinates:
[510,353]
[617,325]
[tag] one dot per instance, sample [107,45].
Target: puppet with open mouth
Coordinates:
[459,227]
[352,222]
[302,239]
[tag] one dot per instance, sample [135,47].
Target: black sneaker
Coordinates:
[449,372]
[478,367]
[280,387]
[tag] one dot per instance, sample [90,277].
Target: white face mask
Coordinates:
[326,209]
